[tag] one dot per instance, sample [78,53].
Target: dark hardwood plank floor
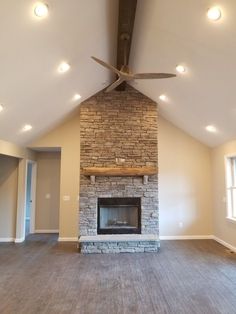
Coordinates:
[43,276]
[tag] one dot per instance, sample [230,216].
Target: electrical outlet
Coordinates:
[66,197]
[48,196]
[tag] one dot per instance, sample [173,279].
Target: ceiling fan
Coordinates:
[127,9]
[124,74]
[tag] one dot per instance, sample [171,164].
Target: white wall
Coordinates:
[223,228]
[185,194]
[186,169]
[10,149]
[66,136]
[185,179]
[8,197]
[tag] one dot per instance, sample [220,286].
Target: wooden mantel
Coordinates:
[119,172]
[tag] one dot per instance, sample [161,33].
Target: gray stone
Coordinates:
[118,125]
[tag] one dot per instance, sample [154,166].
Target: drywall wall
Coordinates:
[8,197]
[47,191]
[185,195]
[184,180]
[223,228]
[66,136]
[10,149]
[13,150]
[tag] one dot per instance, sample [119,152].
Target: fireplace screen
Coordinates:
[119,215]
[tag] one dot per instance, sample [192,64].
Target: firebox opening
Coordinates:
[119,215]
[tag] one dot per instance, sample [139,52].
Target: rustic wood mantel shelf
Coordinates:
[119,172]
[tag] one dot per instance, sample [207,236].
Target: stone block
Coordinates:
[118,125]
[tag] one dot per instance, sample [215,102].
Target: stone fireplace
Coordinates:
[118,208]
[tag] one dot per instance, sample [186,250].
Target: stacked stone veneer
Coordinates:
[118,125]
[120,247]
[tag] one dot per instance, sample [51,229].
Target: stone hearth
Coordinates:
[128,243]
[118,129]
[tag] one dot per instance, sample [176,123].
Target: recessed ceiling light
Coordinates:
[41,9]
[1,108]
[214,13]
[163,97]
[26,128]
[77,97]
[63,67]
[211,128]
[180,68]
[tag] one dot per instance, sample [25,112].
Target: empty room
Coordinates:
[118,157]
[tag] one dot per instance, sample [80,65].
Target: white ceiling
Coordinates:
[169,32]
[31,89]
[166,33]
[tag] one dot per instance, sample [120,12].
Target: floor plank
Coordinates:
[44,276]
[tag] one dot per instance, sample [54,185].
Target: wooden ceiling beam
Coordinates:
[127,10]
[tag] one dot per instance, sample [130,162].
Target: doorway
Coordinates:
[30,197]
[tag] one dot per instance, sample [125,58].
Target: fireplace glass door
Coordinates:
[119,215]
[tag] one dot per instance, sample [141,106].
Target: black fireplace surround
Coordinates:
[118,215]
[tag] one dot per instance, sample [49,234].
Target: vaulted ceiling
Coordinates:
[31,89]
[166,33]
[170,32]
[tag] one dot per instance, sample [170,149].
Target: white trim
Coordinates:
[33,196]
[19,240]
[230,155]
[229,246]
[230,219]
[190,237]
[69,239]
[200,237]
[229,187]
[46,231]
[7,239]
[187,237]
[21,199]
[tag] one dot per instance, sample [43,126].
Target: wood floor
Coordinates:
[43,276]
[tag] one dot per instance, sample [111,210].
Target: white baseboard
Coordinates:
[200,237]
[7,239]
[75,239]
[187,237]
[229,246]
[19,240]
[46,231]
[71,239]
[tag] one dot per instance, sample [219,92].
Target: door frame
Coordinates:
[21,198]
[33,194]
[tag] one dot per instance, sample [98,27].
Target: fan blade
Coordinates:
[114,85]
[153,75]
[106,65]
